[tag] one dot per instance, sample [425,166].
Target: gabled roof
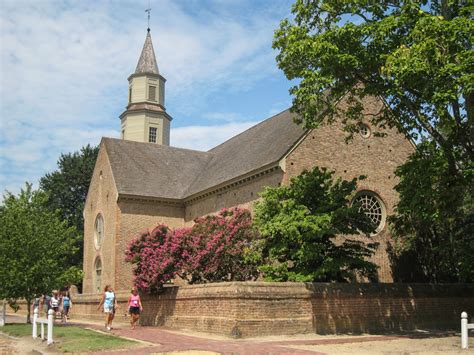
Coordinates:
[258,146]
[152,170]
[147,61]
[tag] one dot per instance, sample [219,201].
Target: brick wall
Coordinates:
[375,157]
[263,308]
[243,196]
[101,199]
[136,216]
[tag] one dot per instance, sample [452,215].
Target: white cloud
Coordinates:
[226,116]
[206,137]
[64,67]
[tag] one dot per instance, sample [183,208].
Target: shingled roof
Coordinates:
[258,146]
[147,62]
[151,170]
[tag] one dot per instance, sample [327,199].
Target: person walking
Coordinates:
[46,304]
[36,305]
[55,303]
[110,305]
[67,305]
[134,307]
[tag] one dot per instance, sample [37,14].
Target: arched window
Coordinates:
[97,275]
[373,207]
[98,231]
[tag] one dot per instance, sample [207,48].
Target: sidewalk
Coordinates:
[165,341]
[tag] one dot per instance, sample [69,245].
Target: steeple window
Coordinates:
[152,135]
[152,93]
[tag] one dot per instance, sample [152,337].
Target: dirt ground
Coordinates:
[431,346]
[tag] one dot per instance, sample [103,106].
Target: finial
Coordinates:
[149,11]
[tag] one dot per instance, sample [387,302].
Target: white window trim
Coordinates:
[97,243]
[383,209]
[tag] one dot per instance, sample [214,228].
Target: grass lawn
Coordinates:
[74,339]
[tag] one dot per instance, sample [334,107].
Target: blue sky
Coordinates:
[64,69]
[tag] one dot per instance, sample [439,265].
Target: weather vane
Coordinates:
[149,11]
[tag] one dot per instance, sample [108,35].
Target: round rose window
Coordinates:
[373,208]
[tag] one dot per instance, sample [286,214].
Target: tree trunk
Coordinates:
[28,314]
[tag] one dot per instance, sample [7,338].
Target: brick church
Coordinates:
[140,181]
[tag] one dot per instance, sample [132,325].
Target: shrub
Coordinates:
[217,248]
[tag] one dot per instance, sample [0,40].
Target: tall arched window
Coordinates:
[98,231]
[97,275]
[373,208]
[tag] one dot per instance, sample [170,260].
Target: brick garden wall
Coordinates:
[259,308]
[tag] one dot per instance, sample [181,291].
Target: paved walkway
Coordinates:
[167,341]
[164,341]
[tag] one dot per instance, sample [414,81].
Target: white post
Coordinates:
[464,344]
[35,326]
[42,330]
[50,326]
[3,319]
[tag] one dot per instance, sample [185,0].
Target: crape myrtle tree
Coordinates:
[35,247]
[306,230]
[67,190]
[155,255]
[221,247]
[417,56]
[216,248]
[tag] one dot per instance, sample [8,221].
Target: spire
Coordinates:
[147,61]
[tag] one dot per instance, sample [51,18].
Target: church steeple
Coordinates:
[147,61]
[145,119]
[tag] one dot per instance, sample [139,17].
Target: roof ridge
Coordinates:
[158,146]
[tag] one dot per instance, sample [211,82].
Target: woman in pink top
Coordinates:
[134,307]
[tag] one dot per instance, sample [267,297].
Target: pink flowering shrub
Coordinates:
[156,255]
[220,247]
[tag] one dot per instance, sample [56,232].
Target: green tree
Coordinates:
[299,224]
[67,190]
[434,221]
[416,55]
[35,247]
